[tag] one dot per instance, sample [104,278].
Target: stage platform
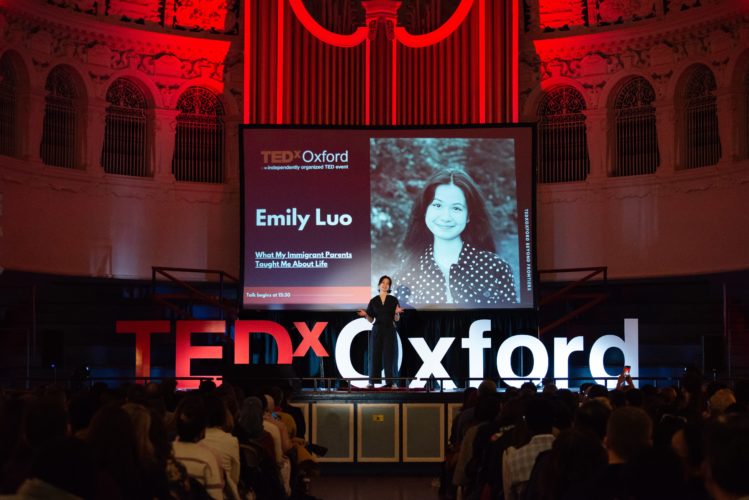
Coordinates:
[395,425]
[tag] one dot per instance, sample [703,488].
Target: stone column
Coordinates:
[727,128]
[596,128]
[93,142]
[165,128]
[231,151]
[31,135]
[668,138]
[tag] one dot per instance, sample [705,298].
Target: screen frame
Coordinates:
[383,129]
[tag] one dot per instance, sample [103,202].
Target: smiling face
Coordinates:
[384,284]
[447,214]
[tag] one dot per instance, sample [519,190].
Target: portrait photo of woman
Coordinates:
[456,245]
[449,251]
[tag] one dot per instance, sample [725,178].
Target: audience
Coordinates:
[727,458]
[518,463]
[689,442]
[201,462]
[220,442]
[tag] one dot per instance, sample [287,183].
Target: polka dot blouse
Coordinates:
[478,278]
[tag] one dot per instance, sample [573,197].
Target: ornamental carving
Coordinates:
[661,53]
[99,55]
[611,11]
[99,77]
[39,65]
[593,92]
[681,5]
[662,77]
[162,64]
[722,40]
[86,6]
[561,67]
[555,14]
[167,89]
[638,58]
[593,64]
[41,41]
[197,68]
[212,15]
[137,10]
[121,58]
[63,46]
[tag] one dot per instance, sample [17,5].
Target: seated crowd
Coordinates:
[152,441]
[686,442]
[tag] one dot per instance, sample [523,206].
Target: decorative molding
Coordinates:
[38,176]
[205,16]
[619,11]
[40,65]
[732,177]
[662,77]
[102,55]
[167,90]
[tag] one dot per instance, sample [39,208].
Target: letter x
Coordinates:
[310,339]
[432,362]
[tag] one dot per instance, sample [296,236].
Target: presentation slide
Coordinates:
[446,213]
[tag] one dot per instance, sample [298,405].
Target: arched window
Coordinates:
[60,132]
[125,150]
[562,143]
[199,145]
[636,142]
[701,138]
[8,122]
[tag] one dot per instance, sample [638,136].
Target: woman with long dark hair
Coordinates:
[449,253]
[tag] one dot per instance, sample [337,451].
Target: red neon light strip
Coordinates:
[418,41]
[367,71]
[393,119]
[323,34]
[247,57]
[279,66]
[482,61]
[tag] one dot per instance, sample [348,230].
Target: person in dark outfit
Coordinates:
[384,310]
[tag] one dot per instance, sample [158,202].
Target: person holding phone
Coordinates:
[624,382]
